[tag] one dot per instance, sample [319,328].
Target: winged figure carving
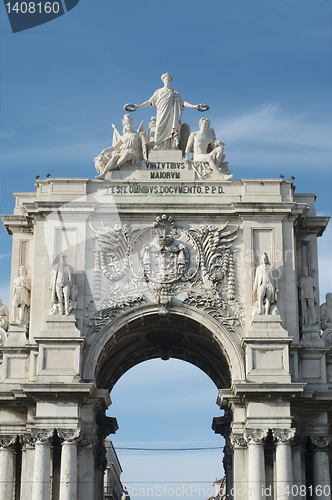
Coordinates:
[214,244]
[114,250]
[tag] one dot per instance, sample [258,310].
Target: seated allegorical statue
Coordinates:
[326,312]
[265,285]
[208,154]
[128,147]
[169,106]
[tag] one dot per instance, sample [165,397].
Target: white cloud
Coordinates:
[270,124]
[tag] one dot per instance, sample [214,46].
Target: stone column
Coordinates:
[68,470]
[28,449]
[256,463]
[228,467]
[283,474]
[42,465]
[100,466]
[86,467]
[240,451]
[321,467]
[7,476]
[298,466]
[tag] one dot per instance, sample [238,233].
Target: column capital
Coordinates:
[69,435]
[283,436]
[86,439]
[256,436]
[238,440]
[320,443]
[41,435]
[299,441]
[7,441]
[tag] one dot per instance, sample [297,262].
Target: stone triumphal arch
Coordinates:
[165,255]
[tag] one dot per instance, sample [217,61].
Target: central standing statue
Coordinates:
[169,106]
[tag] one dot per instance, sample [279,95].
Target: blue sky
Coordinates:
[264,68]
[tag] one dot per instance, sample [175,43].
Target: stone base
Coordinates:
[17,335]
[267,350]
[165,155]
[266,326]
[312,369]
[60,326]
[311,336]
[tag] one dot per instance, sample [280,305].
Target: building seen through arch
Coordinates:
[165,255]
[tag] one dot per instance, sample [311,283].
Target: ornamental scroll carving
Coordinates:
[165,263]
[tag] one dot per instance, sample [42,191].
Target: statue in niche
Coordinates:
[21,300]
[4,316]
[265,285]
[169,106]
[63,288]
[326,312]
[308,298]
[128,147]
[208,153]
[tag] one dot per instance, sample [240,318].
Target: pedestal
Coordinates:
[311,336]
[267,350]
[17,336]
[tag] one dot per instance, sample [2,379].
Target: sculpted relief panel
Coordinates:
[165,135]
[165,263]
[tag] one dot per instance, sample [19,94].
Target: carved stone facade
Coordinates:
[164,262]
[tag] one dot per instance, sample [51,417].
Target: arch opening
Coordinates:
[165,412]
[154,336]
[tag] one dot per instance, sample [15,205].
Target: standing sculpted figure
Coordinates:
[308,298]
[205,148]
[169,106]
[265,285]
[127,148]
[63,288]
[326,312]
[21,301]
[4,316]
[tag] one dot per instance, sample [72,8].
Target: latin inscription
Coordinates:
[164,189]
[165,165]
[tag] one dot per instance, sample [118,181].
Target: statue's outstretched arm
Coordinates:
[143,105]
[199,107]
[133,107]
[188,105]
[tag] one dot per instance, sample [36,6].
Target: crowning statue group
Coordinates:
[166,132]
